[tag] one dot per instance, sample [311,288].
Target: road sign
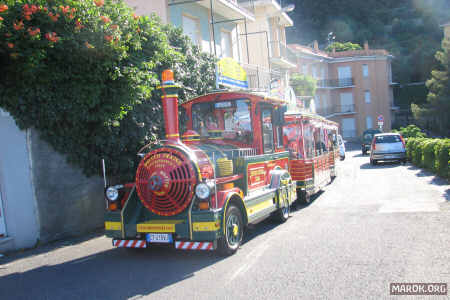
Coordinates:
[380,118]
[380,123]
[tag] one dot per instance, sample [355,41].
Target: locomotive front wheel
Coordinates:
[233,231]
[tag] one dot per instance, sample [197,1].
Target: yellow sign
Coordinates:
[231,74]
[158,226]
[113,226]
[206,226]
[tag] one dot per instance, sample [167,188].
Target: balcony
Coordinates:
[335,83]
[272,8]
[259,78]
[282,56]
[335,110]
[229,9]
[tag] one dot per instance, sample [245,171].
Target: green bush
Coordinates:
[433,154]
[442,154]
[428,150]
[83,73]
[410,131]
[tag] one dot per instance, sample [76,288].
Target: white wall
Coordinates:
[16,189]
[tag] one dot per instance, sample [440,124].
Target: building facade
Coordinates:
[354,88]
[251,32]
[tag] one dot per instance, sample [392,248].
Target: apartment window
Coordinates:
[369,122]
[367,96]
[191,28]
[305,70]
[365,70]
[227,50]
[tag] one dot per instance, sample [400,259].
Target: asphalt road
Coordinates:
[372,226]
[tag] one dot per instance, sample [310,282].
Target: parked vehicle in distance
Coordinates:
[367,138]
[387,147]
[341,144]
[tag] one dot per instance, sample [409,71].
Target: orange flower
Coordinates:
[74,10]
[10,45]
[51,36]
[1,19]
[108,38]
[34,8]
[64,10]
[33,32]
[105,19]
[114,27]
[18,26]
[45,9]
[3,7]
[27,17]
[135,16]
[71,16]
[99,2]
[53,17]
[78,25]
[89,46]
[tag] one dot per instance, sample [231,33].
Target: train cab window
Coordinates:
[267,131]
[225,119]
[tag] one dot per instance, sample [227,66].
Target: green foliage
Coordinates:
[439,90]
[410,131]
[89,88]
[339,47]
[303,85]
[433,154]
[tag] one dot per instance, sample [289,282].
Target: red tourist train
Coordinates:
[241,160]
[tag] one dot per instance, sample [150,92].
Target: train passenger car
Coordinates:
[228,170]
[312,142]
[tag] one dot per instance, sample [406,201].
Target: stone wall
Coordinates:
[68,202]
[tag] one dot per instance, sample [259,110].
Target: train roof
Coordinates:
[215,96]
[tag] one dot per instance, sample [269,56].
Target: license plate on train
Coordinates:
[159,237]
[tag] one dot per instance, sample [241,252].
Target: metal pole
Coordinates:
[246,40]
[212,27]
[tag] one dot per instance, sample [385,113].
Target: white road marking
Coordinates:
[251,259]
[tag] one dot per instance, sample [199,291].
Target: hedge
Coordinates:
[432,154]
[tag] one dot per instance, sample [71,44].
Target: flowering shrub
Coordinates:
[83,73]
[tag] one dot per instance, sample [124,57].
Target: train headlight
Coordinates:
[202,191]
[112,193]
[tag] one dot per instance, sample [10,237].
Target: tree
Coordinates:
[84,74]
[339,47]
[303,85]
[439,90]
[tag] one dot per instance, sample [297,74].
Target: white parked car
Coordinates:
[387,147]
[341,144]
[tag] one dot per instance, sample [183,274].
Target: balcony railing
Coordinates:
[336,109]
[281,51]
[260,78]
[335,83]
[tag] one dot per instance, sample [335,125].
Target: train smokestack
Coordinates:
[170,106]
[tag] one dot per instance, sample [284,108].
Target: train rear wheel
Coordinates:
[284,211]
[233,231]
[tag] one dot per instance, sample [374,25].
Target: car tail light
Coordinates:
[373,144]
[403,142]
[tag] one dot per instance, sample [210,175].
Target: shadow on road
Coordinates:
[380,165]
[113,274]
